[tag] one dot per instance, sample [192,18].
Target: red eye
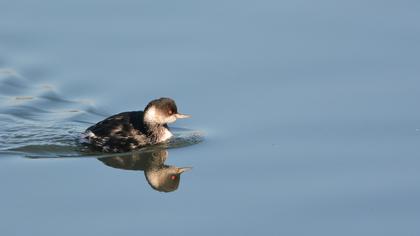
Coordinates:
[170,112]
[173,177]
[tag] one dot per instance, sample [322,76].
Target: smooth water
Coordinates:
[306,117]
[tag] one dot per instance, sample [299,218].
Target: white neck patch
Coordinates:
[152,115]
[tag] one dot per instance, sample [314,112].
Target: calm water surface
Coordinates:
[306,117]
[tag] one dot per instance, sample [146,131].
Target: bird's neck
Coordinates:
[158,132]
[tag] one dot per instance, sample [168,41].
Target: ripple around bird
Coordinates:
[37,122]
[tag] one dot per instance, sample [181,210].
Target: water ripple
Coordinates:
[36,121]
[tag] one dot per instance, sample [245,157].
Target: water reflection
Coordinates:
[161,177]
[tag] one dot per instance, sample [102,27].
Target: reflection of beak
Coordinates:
[181,116]
[183,169]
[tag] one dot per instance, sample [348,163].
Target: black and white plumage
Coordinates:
[128,131]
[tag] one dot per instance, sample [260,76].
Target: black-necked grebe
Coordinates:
[128,131]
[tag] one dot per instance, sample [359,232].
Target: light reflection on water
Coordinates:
[309,111]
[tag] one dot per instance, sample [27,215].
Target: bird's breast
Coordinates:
[165,135]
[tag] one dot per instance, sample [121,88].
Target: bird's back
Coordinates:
[118,133]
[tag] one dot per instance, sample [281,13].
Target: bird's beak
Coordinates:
[181,116]
[183,169]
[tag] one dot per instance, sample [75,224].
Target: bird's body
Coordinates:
[128,131]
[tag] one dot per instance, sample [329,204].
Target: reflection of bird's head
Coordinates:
[161,177]
[165,179]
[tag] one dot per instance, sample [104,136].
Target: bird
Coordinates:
[161,177]
[132,130]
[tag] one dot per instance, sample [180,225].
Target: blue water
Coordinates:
[307,116]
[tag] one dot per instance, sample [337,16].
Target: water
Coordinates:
[305,116]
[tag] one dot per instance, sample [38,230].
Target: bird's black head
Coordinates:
[162,111]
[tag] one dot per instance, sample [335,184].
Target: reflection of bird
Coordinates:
[161,177]
[131,130]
